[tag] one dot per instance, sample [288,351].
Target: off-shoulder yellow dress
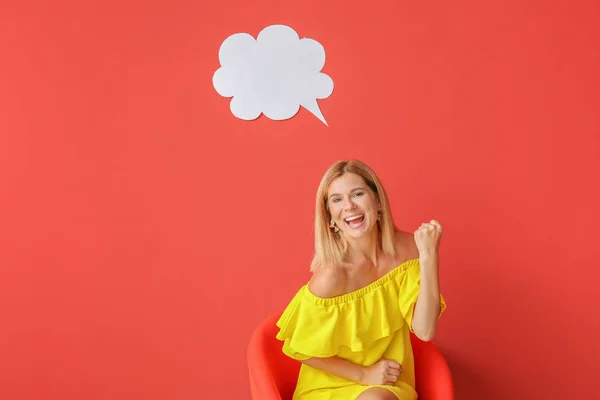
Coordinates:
[363,327]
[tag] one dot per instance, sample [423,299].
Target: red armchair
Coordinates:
[273,375]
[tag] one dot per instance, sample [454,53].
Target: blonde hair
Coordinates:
[330,247]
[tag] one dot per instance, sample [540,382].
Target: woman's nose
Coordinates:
[348,204]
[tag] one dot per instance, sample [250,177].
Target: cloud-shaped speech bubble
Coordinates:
[274,74]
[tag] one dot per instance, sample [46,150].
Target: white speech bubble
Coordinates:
[274,74]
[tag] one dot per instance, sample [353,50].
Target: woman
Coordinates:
[372,285]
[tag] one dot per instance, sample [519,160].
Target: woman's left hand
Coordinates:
[427,238]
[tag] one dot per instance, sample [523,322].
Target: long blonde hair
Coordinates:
[330,247]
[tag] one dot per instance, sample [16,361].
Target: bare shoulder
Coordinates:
[405,246]
[328,282]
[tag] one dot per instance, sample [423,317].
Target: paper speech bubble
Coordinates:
[274,74]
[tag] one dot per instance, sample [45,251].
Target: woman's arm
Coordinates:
[427,307]
[338,367]
[383,372]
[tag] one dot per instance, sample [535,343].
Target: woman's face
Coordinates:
[353,205]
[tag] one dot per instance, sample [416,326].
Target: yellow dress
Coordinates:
[363,327]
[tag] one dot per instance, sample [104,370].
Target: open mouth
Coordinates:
[355,221]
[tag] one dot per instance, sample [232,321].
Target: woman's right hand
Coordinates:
[383,372]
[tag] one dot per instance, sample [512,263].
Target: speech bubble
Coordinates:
[275,74]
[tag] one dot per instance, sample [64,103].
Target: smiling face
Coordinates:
[353,205]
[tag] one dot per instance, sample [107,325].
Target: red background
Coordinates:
[145,231]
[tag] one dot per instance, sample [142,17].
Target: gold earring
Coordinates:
[333,226]
[379,216]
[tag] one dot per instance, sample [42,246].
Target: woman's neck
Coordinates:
[364,248]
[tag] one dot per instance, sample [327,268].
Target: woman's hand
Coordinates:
[427,238]
[383,372]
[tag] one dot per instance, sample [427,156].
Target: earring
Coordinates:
[379,213]
[333,226]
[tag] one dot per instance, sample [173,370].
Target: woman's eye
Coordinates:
[358,193]
[336,200]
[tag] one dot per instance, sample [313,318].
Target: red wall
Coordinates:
[145,231]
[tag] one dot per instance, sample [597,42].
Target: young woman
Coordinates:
[372,285]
